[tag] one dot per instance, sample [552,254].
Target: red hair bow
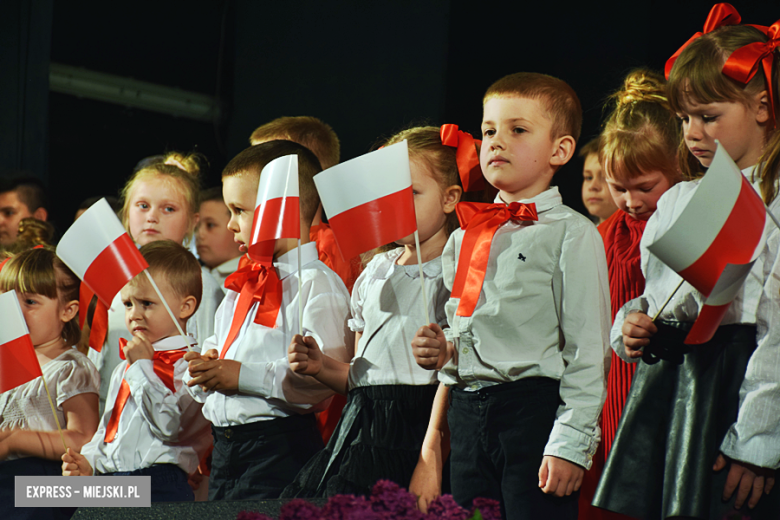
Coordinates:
[720,15]
[743,63]
[466,156]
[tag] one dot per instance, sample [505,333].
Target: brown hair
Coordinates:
[641,134]
[307,131]
[185,181]
[173,263]
[253,159]
[558,98]
[32,232]
[698,74]
[589,148]
[40,271]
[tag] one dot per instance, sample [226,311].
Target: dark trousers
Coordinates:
[28,466]
[498,439]
[258,460]
[169,482]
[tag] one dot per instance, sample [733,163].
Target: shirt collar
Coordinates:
[287,264]
[545,201]
[431,268]
[174,343]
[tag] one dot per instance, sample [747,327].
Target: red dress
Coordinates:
[621,235]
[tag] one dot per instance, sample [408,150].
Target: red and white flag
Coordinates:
[369,199]
[97,250]
[18,362]
[715,241]
[277,208]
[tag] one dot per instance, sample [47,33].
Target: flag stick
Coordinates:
[170,312]
[300,296]
[54,411]
[774,219]
[422,280]
[668,300]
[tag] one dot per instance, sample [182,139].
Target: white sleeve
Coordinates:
[158,404]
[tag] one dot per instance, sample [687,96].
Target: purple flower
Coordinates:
[252,515]
[347,507]
[299,510]
[393,501]
[489,509]
[445,508]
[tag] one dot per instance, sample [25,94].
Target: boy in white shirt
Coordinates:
[151,424]
[264,431]
[528,318]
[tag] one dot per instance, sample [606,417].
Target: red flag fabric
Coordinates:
[97,249]
[18,362]
[369,200]
[715,241]
[277,208]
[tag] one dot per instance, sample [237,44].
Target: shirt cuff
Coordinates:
[573,445]
[753,451]
[356,325]
[257,379]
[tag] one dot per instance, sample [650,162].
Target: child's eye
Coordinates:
[587,178]
[488,132]
[682,119]
[518,130]
[147,303]
[211,225]
[169,209]
[142,205]
[127,304]
[29,301]
[709,119]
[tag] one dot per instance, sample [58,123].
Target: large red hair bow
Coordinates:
[466,156]
[254,283]
[481,221]
[720,15]
[743,63]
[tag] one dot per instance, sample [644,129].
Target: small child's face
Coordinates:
[595,192]
[240,195]
[212,236]
[157,211]
[639,196]
[429,204]
[145,312]
[44,317]
[516,147]
[739,129]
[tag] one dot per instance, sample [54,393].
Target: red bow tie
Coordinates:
[162,362]
[480,222]
[254,283]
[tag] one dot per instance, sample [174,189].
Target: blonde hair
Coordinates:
[185,182]
[32,232]
[698,74]
[558,98]
[253,159]
[194,162]
[174,264]
[40,271]
[307,131]
[641,134]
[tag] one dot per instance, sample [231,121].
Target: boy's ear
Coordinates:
[187,307]
[761,99]
[40,214]
[452,196]
[563,150]
[69,311]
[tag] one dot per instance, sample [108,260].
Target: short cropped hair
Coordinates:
[589,148]
[308,131]
[29,189]
[210,194]
[558,98]
[174,264]
[253,160]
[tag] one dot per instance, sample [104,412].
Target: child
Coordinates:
[151,425]
[21,197]
[595,192]
[320,138]
[390,397]
[639,154]
[524,350]
[160,203]
[706,402]
[264,431]
[48,294]
[216,248]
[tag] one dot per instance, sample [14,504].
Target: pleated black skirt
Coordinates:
[378,437]
[682,402]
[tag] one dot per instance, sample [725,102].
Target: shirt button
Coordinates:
[465,350]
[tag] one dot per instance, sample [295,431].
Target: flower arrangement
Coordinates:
[388,501]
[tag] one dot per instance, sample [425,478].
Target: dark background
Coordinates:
[366,68]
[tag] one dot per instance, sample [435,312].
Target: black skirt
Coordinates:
[682,402]
[379,436]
